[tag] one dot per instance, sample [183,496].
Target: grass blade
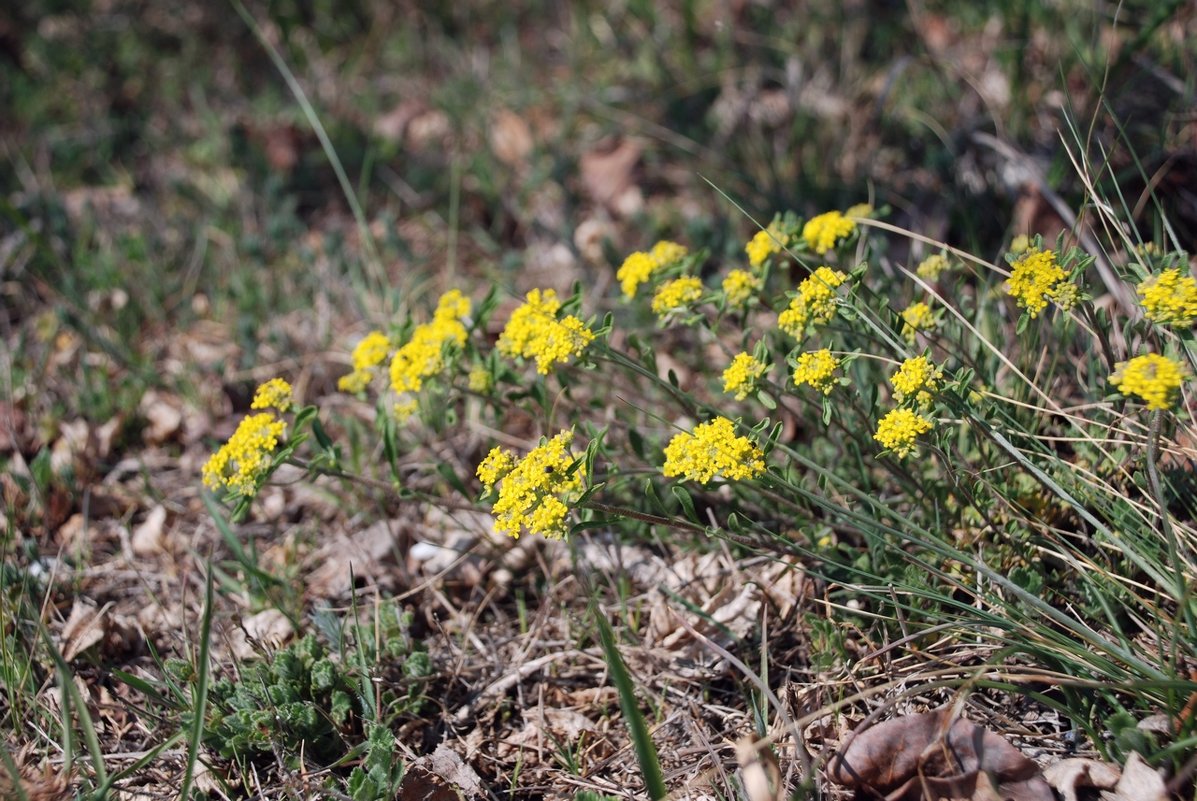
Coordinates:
[646,752]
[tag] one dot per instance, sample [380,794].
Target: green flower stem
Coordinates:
[1157,492]
[644,517]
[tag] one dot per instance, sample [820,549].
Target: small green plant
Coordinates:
[297,700]
[307,702]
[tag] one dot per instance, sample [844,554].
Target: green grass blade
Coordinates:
[646,752]
[200,700]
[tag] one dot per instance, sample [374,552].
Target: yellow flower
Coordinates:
[825,231]
[898,430]
[497,464]
[636,269]
[677,295]
[915,380]
[742,375]
[933,266]
[453,305]
[480,380]
[534,332]
[404,408]
[1154,378]
[764,244]
[640,267]
[667,253]
[1020,245]
[1037,279]
[367,355]
[274,394]
[713,450]
[1169,298]
[817,369]
[814,303]
[533,491]
[423,356]
[243,461]
[739,287]
[916,317]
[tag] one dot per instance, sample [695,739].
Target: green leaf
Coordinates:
[687,502]
[650,492]
[304,416]
[454,480]
[646,752]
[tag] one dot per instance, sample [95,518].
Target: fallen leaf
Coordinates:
[85,626]
[440,776]
[344,558]
[904,757]
[607,175]
[163,416]
[510,138]
[269,628]
[1139,782]
[1070,775]
[147,537]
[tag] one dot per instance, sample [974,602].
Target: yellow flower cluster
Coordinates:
[916,317]
[1036,279]
[534,332]
[713,450]
[764,244]
[640,267]
[480,380]
[274,394]
[242,461]
[535,490]
[739,287]
[817,370]
[899,429]
[424,354]
[367,355]
[742,375]
[677,295]
[814,303]
[1154,378]
[915,380]
[1169,298]
[827,230]
[933,266]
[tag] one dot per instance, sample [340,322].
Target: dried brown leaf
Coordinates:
[1139,782]
[85,627]
[510,138]
[607,173]
[147,538]
[906,757]
[1070,775]
[440,776]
